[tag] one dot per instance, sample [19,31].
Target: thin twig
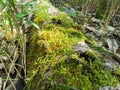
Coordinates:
[8,77]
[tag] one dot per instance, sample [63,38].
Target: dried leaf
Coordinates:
[1,66]
[112,45]
[90,28]
[5,58]
[95,20]
[110,28]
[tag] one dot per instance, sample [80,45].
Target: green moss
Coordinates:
[68,73]
[101,49]
[93,55]
[91,40]
[62,20]
[102,76]
[73,33]
[72,74]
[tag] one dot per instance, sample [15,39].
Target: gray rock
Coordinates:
[81,47]
[106,88]
[111,63]
[110,87]
[52,11]
[112,44]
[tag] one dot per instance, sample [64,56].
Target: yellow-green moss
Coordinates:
[72,33]
[42,17]
[54,41]
[93,55]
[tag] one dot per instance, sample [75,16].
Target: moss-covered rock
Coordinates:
[52,63]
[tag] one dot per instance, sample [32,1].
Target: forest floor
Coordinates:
[66,50]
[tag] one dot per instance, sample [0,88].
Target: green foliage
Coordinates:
[13,41]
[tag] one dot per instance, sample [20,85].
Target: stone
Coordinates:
[106,88]
[112,44]
[52,11]
[81,47]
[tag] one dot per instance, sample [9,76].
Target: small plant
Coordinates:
[13,43]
